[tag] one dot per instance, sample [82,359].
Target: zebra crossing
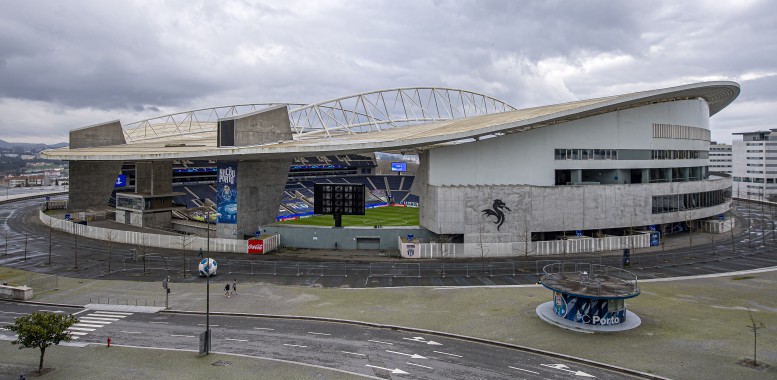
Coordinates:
[94,321]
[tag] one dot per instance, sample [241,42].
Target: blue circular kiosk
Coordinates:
[589,297]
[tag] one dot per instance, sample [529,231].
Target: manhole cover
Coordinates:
[221,363]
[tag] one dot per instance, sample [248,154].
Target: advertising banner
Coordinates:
[255,246]
[589,311]
[226,193]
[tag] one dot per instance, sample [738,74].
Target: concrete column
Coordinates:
[576,176]
[91,182]
[668,174]
[645,175]
[154,177]
[260,187]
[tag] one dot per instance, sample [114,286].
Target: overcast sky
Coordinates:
[69,64]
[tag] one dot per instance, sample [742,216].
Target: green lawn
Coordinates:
[384,216]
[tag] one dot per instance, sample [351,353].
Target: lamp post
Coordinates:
[207,281]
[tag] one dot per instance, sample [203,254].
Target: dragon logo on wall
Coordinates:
[496,211]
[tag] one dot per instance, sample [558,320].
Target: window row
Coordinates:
[679,154]
[586,154]
[691,201]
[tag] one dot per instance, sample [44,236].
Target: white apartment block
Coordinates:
[720,158]
[754,164]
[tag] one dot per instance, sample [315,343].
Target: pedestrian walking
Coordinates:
[226,290]
[199,255]
[234,286]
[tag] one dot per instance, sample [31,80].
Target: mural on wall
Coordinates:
[497,212]
[226,195]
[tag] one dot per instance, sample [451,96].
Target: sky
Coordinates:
[70,64]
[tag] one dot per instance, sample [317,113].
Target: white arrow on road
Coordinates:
[414,356]
[422,340]
[396,371]
[563,367]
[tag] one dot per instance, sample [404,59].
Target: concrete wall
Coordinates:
[528,157]
[23,293]
[263,127]
[91,182]
[154,177]
[346,238]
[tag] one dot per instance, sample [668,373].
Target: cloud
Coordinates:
[75,64]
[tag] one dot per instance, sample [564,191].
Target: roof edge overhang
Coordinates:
[718,95]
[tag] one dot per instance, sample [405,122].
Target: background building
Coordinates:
[720,158]
[755,165]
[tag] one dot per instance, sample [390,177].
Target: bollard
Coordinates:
[109,342]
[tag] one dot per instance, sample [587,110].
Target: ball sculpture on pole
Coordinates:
[207,267]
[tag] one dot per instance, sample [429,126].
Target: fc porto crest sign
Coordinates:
[496,211]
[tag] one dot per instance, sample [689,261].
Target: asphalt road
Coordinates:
[25,245]
[383,353]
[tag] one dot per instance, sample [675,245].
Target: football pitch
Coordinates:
[381,216]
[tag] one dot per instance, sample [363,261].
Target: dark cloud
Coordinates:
[77,63]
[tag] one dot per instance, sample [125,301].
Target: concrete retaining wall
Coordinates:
[188,242]
[23,293]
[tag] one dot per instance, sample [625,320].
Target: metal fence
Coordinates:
[43,282]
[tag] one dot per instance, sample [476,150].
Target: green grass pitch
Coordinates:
[384,216]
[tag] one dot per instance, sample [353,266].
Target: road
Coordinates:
[27,242]
[384,353]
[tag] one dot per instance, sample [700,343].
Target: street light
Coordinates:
[207,292]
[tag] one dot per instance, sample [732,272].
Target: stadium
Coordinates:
[592,175]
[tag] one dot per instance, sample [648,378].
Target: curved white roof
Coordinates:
[202,145]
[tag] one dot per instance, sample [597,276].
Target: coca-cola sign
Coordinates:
[255,246]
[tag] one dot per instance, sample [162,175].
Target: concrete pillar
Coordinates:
[645,175]
[260,187]
[154,177]
[576,176]
[91,182]
[668,174]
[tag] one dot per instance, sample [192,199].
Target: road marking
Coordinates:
[116,313]
[79,328]
[106,315]
[237,340]
[263,328]
[132,332]
[445,353]
[51,311]
[418,365]
[99,318]
[183,336]
[525,370]
[352,353]
[565,368]
[294,345]
[318,333]
[160,322]
[420,339]
[413,356]
[82,311]
[202,324]
[12,312]
[87,325]
[76,333]
[394,371]
[377,341]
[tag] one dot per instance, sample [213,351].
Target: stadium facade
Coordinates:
[490,176]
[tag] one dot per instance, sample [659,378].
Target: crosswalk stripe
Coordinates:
[100,319]
[79,328]
[116,313]
[76,333]
[95,321]
[107,315]
[87,325]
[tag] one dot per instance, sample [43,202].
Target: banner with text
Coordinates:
[226,193]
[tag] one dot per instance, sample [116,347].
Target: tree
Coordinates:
[110,236]
[41,330]
[754,327]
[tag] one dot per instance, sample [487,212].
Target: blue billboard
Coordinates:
[121,181]
[399,166]
[226,193]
